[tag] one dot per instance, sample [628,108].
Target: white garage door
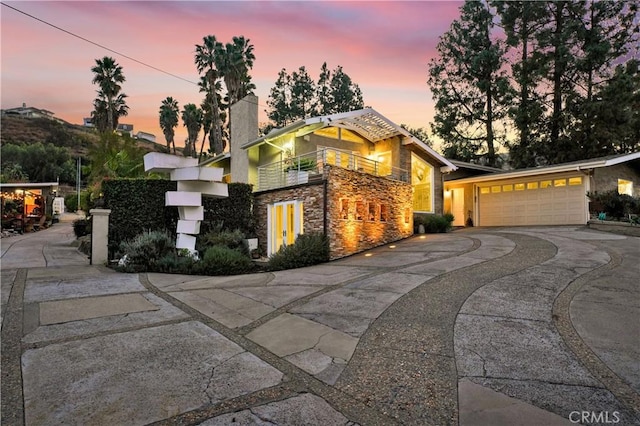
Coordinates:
[556,201]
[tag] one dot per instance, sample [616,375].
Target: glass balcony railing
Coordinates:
[308,167]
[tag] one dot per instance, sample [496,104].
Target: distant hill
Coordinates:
[76,138]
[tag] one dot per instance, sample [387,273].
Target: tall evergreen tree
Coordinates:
[522,22]
[279,101]
[607,32]
[323,91]
[296,96]
[302,94]
[470,86]
[345,95]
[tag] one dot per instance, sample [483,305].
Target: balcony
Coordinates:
[309,167]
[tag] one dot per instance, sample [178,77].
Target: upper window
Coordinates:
[422,181]
[625,187]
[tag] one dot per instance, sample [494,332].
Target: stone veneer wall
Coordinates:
[606,178]
[349,236]
[312,197]
[346,236]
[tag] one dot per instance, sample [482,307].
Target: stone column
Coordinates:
[99,236]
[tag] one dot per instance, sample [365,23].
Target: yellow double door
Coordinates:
[285,224]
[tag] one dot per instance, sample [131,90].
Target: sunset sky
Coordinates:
[383,46]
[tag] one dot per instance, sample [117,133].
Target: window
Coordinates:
[519,186]
[560,182]
[373,212]
[575,181]
[625,187]
[485,190]
[507,188]
[532,185]
[344,208]
[360,210]
[384,213]
[495,189]
[422,181]
[546,184]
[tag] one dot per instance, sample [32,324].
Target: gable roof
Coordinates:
[592,163]
[367,122]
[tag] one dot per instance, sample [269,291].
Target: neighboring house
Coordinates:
[121,128]
[551,195]
[356,177]
[28,112]
[146,136]
[125,128]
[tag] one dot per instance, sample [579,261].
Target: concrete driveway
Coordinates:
[489,326]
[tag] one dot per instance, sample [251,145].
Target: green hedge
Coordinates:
[137,205]
[229,214]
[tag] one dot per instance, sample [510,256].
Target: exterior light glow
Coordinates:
[392,247]
[422,237]
[368,255]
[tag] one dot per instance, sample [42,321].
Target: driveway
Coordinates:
[479,326]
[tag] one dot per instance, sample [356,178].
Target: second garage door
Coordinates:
[541,201]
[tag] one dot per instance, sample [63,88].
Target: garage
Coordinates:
[538,200]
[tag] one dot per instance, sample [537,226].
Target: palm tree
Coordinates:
[108,75]
[100,114]
[205,60]
[169,120]
[234,66]
[192,120]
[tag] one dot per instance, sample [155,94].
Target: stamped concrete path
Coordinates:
[527,326]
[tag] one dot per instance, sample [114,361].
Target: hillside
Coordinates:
[77,139]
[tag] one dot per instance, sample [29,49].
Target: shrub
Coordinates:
[144,251]
[613,204]
[81,227]
[308,249]
[231,239]
[173,263]
[433,223]
[71,201]
[219,260]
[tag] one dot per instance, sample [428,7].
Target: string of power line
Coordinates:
[107,48]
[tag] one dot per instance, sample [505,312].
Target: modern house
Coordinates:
[551,195]
[356,177]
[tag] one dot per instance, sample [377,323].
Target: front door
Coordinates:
[457,206]
[285,224]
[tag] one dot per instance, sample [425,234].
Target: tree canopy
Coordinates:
[296,96]
[547,82]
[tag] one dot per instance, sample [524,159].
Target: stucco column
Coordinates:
[99,236]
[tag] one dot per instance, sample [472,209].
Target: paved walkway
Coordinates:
[523,326]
